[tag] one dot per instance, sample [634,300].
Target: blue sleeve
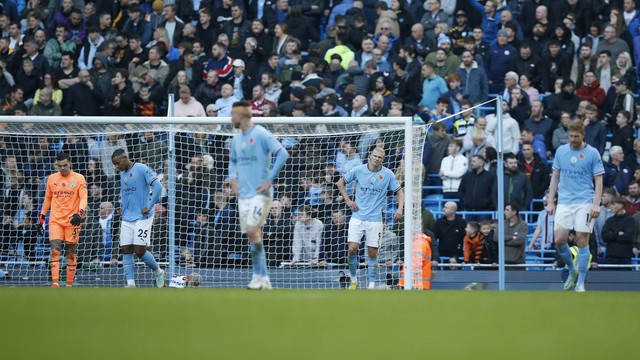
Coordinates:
[484,86]
[556,160]
[633,26]
[476,5]
[232,163]
[598,167]
[281,155]
[442,87]
[394,185]
[155,195]
[146,34]
[351,175]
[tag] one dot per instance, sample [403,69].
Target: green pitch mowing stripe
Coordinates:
[89,323]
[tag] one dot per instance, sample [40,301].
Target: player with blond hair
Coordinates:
[66,197]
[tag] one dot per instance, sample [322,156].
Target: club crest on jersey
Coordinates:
[574,159]
[373,179]
[72,185]
[243,145]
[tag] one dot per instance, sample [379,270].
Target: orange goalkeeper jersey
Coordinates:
[65,195]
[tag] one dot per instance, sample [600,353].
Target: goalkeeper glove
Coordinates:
[40,225]
[76,219]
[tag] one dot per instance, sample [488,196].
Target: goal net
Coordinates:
[196,229]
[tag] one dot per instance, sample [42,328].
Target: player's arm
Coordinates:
[553,189]
[76,219]
[155,195]
[342,187]
[399,211]
[281,155]
[597,195]
[534,237]
[46,206]
[233,175]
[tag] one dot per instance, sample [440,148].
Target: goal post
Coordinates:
[186,223]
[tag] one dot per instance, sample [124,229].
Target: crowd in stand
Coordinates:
[552,61]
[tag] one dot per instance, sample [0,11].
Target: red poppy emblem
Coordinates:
[250,140]
[63,184]
[380,177]
[130,174]
[581,156]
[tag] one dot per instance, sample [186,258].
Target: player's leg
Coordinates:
[258,209]
[564,222]
[583,231]
[354,235]
[56,236]
[71,237]
[54,261]
[141,240]
[126,247]
[373,235]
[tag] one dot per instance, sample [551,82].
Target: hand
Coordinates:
[76,219]
[434,262]
[551,208]
[264,188]
[620,233]
[145,211]
[595,212]
[351,205]
[40,225]
[235,189]
[635,252]
[441,173]
[398,215]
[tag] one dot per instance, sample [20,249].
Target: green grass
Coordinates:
[89,323]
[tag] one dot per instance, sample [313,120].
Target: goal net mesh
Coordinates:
[206,237]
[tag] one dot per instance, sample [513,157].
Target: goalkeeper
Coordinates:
[373,180]
[66,197]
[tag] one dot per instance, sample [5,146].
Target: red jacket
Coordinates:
[594,94]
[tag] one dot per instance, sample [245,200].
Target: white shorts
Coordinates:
[136,233]
[372,231]
[576,217]
[253,211]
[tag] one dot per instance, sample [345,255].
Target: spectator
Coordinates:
[89,48]
[137,25]
[606,69]
[307,237]
[540,124]
[278,232]
[539,147]
[188,105]
[453,167]
[433,87]
[619,234]
[57,45]
[226,101]
[209,90]
[556,64]
[632,159]
[612,42]
[595,132]
[143,104]
[466,122]
[625,99]
[477,189]
[590,90]
[490,16]
[566,100]
[220,62]
[474,79]
[272,90]
[585,61]
[627,71]
[449,232]
[526,86]
[422,44]
[83,100]
[616,174]
[515,235]
[480,124]
[510,131]
[560,134]
[519,105]
[517,187]
[632,206]
[497,61]
[544,229]
[536,170]
[120,96]
[623,135]
[435,148]
[242,82]
[474,249]
[46,106]
[258,102]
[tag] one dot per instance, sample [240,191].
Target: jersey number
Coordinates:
[257,211]
[142,234]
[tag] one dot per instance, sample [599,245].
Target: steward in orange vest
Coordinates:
[421,263]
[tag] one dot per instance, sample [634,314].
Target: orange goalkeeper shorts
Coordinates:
[68,234]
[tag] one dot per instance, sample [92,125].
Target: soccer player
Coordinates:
[136,208]
[577,179]
[251,176]
[66,197]
[373,180]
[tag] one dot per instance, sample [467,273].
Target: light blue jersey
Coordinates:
[577,169]
[135,185]
[371,190]
[250,161]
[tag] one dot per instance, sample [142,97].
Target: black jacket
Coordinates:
[539,176]
[478,191]
[450,237]
[517,189]
[619,246]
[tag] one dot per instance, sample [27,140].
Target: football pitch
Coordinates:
[117,323]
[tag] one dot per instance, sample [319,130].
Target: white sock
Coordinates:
[131,282]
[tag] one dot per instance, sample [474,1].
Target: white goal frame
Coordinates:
[172,121]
